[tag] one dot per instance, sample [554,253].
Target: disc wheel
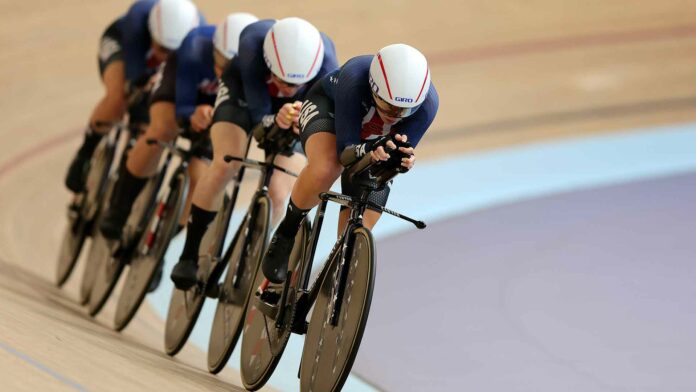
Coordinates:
[79,221]
[110,267]
[142,269]
[262,342]
[329,351]
[98,248]
[246,253]
[185,306]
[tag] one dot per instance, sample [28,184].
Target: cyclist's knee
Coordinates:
[324,171]
[221,172]
[162,133]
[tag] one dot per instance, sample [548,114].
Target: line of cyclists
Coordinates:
[171,74]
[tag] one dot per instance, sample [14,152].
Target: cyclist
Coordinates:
[183,97]
[278,62]
[370,96]
[130,50]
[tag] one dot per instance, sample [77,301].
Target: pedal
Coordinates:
[268,309]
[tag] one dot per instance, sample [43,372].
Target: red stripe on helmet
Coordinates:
[381,64]
[275,47]
[316,56]
[427,71]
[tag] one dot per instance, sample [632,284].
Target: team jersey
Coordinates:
[137,51]
[356,119]
[250,76]
[196,82]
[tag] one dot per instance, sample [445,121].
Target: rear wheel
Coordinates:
[149,255]
[262,342]
[245,254]
[329,350]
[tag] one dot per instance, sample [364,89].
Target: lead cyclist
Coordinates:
[389,93]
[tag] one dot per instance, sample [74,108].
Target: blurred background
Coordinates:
[557,182]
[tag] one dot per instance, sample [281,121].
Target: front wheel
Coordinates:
[243,262]
[330,350]
[185,306]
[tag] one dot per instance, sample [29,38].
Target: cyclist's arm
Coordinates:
[253,70]
[187,77]
[348,109]
[135,44]
[414,127]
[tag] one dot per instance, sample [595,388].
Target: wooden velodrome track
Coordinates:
[508,72]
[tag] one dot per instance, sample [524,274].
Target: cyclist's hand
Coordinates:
[380,154]
[289,115]
[201,118]
[411,160]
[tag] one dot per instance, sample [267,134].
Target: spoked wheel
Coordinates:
[82,214]
[185,306]
[262,342]
[329,350]
[110,267]
[243,263]
[149,255]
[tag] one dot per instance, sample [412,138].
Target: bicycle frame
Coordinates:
[267,168]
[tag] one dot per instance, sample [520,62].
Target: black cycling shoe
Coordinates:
[275,262]
[111,226]
[184,274]
[156,279]
[75,179]
[77,172]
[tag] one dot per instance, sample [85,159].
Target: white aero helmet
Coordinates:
[171,20]
[293,50]
[226,38]
[400,79]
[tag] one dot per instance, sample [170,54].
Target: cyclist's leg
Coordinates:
[143,158]
[196,169]
[228,139]
[141,164]
[281,184]
[112,106]
[323,168]
[370,218]
[110,109]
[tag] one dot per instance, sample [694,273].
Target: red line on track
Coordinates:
[37,150]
